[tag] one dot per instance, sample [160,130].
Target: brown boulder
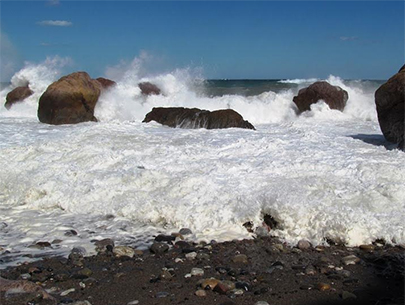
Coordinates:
[334,96]
[106,83]
[69,100]
[389,100]
[197,118]
[149,88]
[17,95]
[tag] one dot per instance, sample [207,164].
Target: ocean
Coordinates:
[322,175]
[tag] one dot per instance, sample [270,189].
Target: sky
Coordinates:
[224,39]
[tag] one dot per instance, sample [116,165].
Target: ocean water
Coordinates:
[322,175]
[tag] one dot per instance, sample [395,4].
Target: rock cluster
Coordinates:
[196,118]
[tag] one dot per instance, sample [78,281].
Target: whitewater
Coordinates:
[322,175]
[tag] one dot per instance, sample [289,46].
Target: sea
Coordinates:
[322,175]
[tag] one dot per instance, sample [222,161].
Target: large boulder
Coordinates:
[389,100]
[69,100]
[17,95]
[106,83]
[148,88]
[334,96]
[197,118]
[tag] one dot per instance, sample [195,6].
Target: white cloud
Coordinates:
[348,38]
[55,23]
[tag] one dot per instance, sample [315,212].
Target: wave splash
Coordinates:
[187,88]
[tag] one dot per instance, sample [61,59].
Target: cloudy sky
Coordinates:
[226,39]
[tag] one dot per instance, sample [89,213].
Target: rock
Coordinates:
[310,270]
[69,100]
[201,293]
[197,272]
[162,294]
[66,292]
[70,233]
[165,275]
[124,251]
[196,118]
[159,248]
[389,100]
[243,285]
[104,245]
[106,83]
[148,88]
[83,274]
[221,288]
[135,302]
[43,244]
[165,238]
[81,303]
[261,303]
[350,260]
[229,284]
[17,95]
[209,283]
[334,96]
[240,259]
[348,295]
[191,255]
[185,231]
[323,286]
[304,245]
[76,256]
[367,248]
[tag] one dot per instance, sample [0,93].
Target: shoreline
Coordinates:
[236,272]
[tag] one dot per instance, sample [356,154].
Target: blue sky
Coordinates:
[227,39]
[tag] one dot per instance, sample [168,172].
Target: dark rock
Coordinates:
[389,100]
[185,231]
[104,245]
[148,88]
[159,248]
[221,288]
[106,83]
[69,100]
[164,238]
[334,96]
[196,118]
[70,233]
[17,95]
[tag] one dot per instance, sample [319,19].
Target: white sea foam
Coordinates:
[324,174]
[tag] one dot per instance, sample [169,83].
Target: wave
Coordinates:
[183,88]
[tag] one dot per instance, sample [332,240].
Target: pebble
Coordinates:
[310,270]
[350,260]
[185,231]
[191,255]
[209,283]
[133,302]
[43,244]
[203,256]
[104,245]
[201,293]
[237,291]
[83,273]
[348,295]
[367,248]
[165,275]
[221,288]
[164,238]
[197,272]
[124,251]
[162,294]
[66,292]
[243,285]
[229,284]
[304,245]
[262,303]
[240,259]
[159,248]
[81,303]
[70,233]
[25,276]
[323,286]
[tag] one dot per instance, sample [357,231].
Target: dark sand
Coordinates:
[275,274]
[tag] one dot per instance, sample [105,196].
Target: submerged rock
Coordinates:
[148,88]
[389,100]
[69,100]
[334,96]
[17,95]
[196,118]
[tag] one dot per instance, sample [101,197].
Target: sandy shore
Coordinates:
[260,271]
